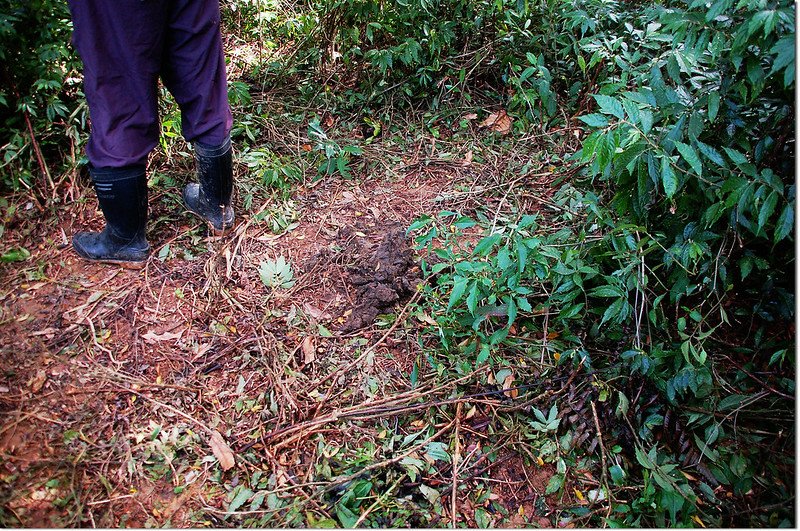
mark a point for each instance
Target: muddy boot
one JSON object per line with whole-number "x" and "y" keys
{"x": 211, "y": 198}
{"x": 122, "y": 194}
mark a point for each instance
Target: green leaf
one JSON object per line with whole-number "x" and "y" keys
{"x": 239, "y": 498}
{"x": 498, "y": 336}
{"x": 485, "y": 245}
{"x": 623, "y": 404}
{"x": 571, "y": 311}
{"x": 735, "y": 156}
{"x": 258, "y": 499}
{"x": 419, "y": 223}
{"x": 617, "y": 474}
{"x": 609, "y": 105}
{"x": 362, "y": 488}
{"x": 607, "y": 291}
{"x": 15, "y": 255}
{"x": 713, "y": 106}
{"x": 341, "y": 165}
{"x": 163, "y": 254}
{"x": 528, "y": 220}
{"x": 690, "y": 155}
{"x": 614, "y": 311}
{"x": 277, "y": 273}
{"x": 472, "y": 298}
{"x": 594, "y": 120}
{"x": 464, "y": 222}
{"x": 643, "y": 459}
{"x": 632, "y": 110}
{"x": 346, "y": 516}
{"x": 646, "y": 119}
{"x": 785, "y": 58}
{"x": 554, "y": 484}
{"x": 483, "y": 355}
{"x": 512, "y": 310}
{"x": 767, "y": 209}
{"x": 779, "y": 355}
{"x": 459, "y": 287}
{"x": 731, "y": 402}
{"x": 746, "y": 266}
{"x": 668, "y": 177}
{"x": 711, "y": 154}
{"x": 430, "y": 493}
{"x": 522, "y": 257}
{"x": 437, "y": 451}
{"x": 785, "y": 223}
{"x": 482, "y": 519}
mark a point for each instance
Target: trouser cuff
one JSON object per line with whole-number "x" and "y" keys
{"x": 206, "y": 150}
{"x": 106, "y": 175}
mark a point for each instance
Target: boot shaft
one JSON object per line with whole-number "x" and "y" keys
{"x": 215, "y": 173}
{"x": 211, "y": 198}
{"x": 122, "y": 195}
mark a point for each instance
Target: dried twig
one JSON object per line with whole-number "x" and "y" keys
{"x": 603, "y": 460}
{"x": 456, "y": 457}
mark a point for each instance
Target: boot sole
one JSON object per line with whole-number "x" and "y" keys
{"x": 125, "y": 264}
{"x": 212, "y": 229}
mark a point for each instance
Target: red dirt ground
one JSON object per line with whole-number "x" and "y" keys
{"x": 90, "y": 352}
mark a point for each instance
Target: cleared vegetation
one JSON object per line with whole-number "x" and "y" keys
{"x": 500, "y": 264}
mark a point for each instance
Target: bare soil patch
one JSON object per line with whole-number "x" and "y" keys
{"x": 112, "y": 378}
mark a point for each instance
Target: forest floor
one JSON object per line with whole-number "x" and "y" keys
{"x": 191, "y": 393}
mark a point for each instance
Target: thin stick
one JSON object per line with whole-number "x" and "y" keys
{"x": 456, "y": 456}
{"x": 380, "y": 499}
{"x": 603, "y": 462}
{"x": 109, "y": 500}
{"x": 170, "y": 408}
{"x": 37, "y": 150}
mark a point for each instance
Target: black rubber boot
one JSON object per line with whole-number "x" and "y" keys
{"x": 211, "y": 198}
{"x": 122, "y": 194}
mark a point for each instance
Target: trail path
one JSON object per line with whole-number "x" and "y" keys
{"x": 115, "y": 380}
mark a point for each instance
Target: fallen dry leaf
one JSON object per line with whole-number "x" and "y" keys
{"x": 152, "y": 337}
{"x": 222, "y": 451}
{"x": 37, "y": 382}
{"x": 309, "y": 350}
{"x": 315, "y": 312}
{"x": 508, "y": 383}
{"x": 470, "y": 116}
{"x": 498, "y": 121}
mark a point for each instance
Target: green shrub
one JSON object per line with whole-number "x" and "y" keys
{"x": 41, "y": 109}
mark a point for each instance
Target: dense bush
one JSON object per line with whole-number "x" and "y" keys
{"x": 41, "y": 112}
{"x": 682, "y": 241}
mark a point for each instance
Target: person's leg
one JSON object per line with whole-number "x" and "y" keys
{"x": 194, "y": 72}
{"x": 120, "y": 44}
{"x": 122, "y": 194}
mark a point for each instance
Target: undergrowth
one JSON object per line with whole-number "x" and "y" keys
{"x": 650, "y": 282}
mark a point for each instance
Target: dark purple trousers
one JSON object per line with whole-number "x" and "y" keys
{"x": 126, "y": 45}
